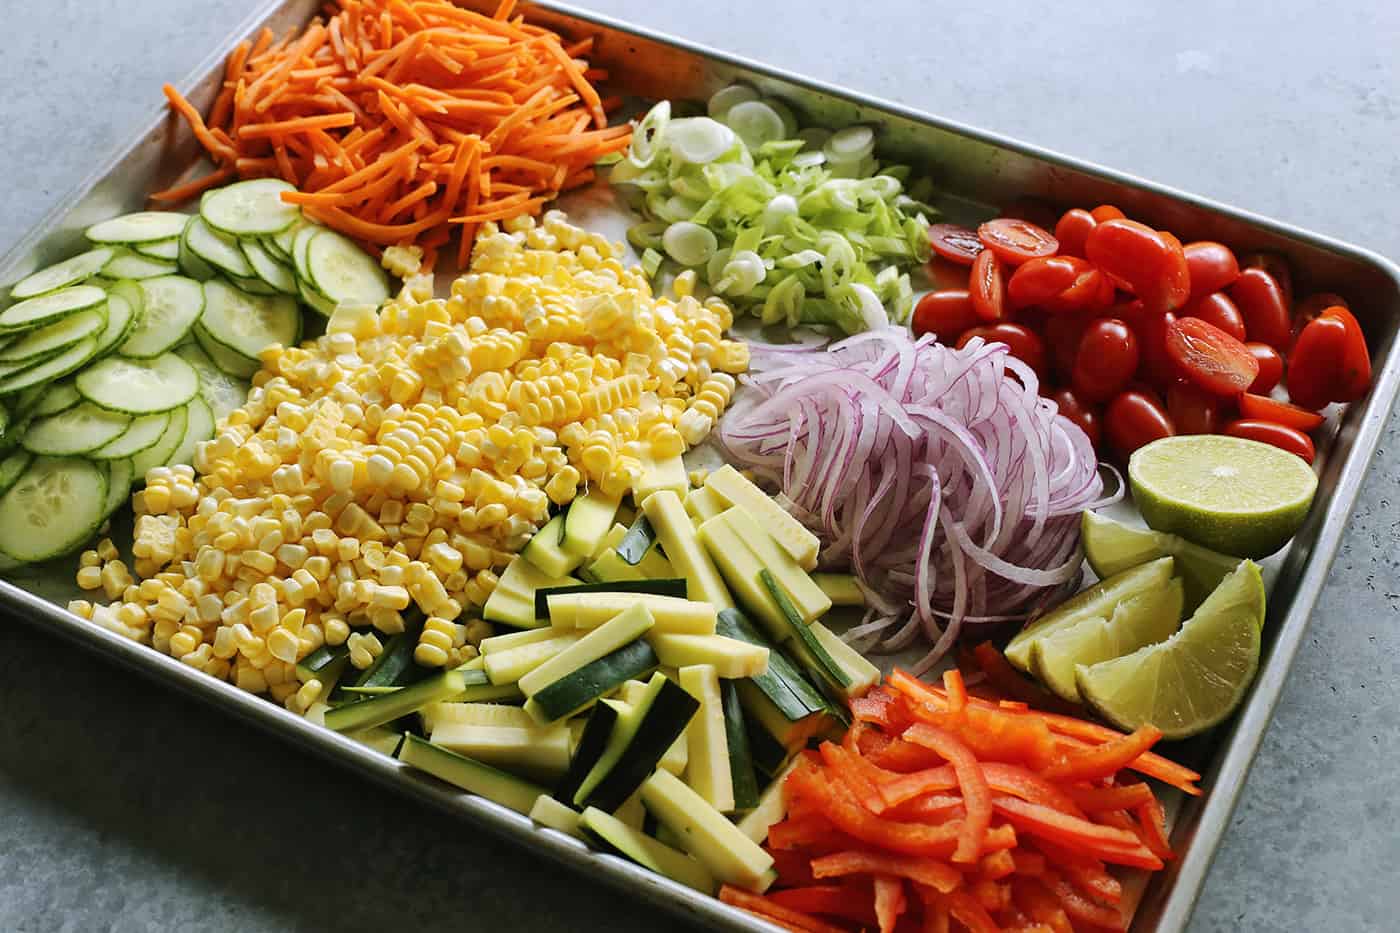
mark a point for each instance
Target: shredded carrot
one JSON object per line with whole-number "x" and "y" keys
{"x": 408, "y": 121}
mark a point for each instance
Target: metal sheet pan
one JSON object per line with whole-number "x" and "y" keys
{"x": 975, "y": 170}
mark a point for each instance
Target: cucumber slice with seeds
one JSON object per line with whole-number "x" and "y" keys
{"x": 55, "y": 506}
{"x": 221, "y": 391}
{"x": 342, "y": 271}
{"x": 159, "y": 453}
{"x": 121, "y": 321}
{"x": 78, "y": 430}
{"x": 234, "y": 364}
{"x": 172, "y": 304}
{"x": 36, "y": 312}
{"x": 141, "y": 227}
{"x": 58, "y": 397}
{"x": 12, "y": 467}
{"x": 199, "y": 427}
{"x": 169, "y": 250}
{"x": 248, "y": 324}
{"x": 141, "y": 433}
{"x": 271, "y": 270}
{"x": 48, "y": 341}
{"x": 190, "y": 262}
{"x": 119, "y": 477}
{"x": 217, "y": 249}
{"x": 250, "y": 208}
{"x": 126, "y": 265}
{"x": 69, "y": 272}
{"x": 139, "y": 387}
{"x": 71, "y": 359}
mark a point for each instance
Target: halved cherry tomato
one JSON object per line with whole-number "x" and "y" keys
{"x": 1016, "y": 241}
{"x": 1193, "y": 410}
{"x": 1213, "y": 267}
{"x": 1217, "y": 308}
{"x": 1073, "y": 229}
{"x": 1135, "y": 254}
{"x": 1263, "y": 408}
{"x": 1355, "y": 372}
{"x": 946, "y": 315}
{"x": 1156, "y": 366}
{"x": 1106, "y": 360}
{"x": 1209, "y": 357}
{"x": 1261, "y": 302}
{"x": 955, "y": 243}
{"x": 1039, "y": 280}
{"x": 1106, "y": 212}
{"x": 1276, "y": 266}
{"x": 1284, "y": 438}
{"x": 1062, "y": 334}
{"x": 1023, "y": 342}
{"x": 1091, "y": 291}
{"x": 1085, "y": 416}
{"x": 1315, "y": 360}
{"x": 944, "y": 273}
{"x": 987, "y": 285}
{"x": 1134, "y": 419}
{"x": 1037, "y": 212}
{"x": 1270, "y": 368}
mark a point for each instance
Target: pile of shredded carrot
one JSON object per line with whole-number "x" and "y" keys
{"x": 945, "y": 809}
{"x": 406, "y": 121}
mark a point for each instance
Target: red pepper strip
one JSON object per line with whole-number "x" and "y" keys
{"x": 1104, "y": 842}
{"x": 997, "y": 866}
{"x": 1080, "y": 908}
{"x": 908, "y": 786}
{"x": 774, "y": 912}
{"x": 1037, "y": 902}
{"x": 840, "y": 806}
{"x": 889, "y": 902}
{"x": 794, "y": 867}
{"x": 1008, "y": 681}
{"x": 1031, "y": 864}
{"x": 926, "y": 871}
{"x": 903, "y": 756}
{"x": 1087, "y": 873}
{"x": 977, "y": 796}
{"x": 843, "y": 765}
{"x": 1019, "y": 782}
{"x": 873, "y": 707}
{"x": 1030, "y": 926}
{"x": 957, "y": 691}
{"x": 970, "y": 913}
{"x": 1153, "y": 823}
{"x": 831, "y": 900}
{"x": 1106, "y": 760}
{"x": 1121, "y": 797}
{"x": 796, "y": 832}
{"x": 991, "y": 895}
{"x": 935, "y": 808}
{"x": 935, "y": 917}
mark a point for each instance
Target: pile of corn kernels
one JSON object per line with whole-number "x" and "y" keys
{"x": 403, "y": 458}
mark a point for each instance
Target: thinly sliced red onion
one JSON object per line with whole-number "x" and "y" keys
{"x": 940, "y": 476}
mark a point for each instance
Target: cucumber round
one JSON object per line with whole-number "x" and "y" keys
{"x": 270, "y": 269}
{"x": 221, "y": 391}
{"x": 199, "y": 427}
{"x": 141, "y": 433}
{"x": 172, "y": 304}
{"x": 190, "y": 262}
{"x": 217, "y": 249}
{"x": 254, "y": 286}
{"x": 317, "y": 302}
{"x": 250, "y": 208}
{"x": 12, "y": 467}
{"x": 234, "y": 364}
{"x": 36, "y": 312}
{"x": 71, "y": 359}
{"x": 141, "y": 227}
{"x": 119, "y": 478}
{"x": 47, "y": 341}
{"x": 58, "y": 397}
{"x": 342, "y": 271}
{"x": 69, "y": 272}
{"x": 128, "y": 265}
{"x": 248, "y": 324}
{"x": 55, "y": 505}
{"x": 169, "y": 250}
{"x": 159, "y": 453}
{"x": 121, "y": 320}
{"x": 78, "y": 430}
{"x": 138, "y": 387}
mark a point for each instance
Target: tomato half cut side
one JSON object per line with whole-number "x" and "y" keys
{"x": 945, "y": 314}
{"x": 1284, "y": 438}
{"x": 1263, "y": 408}
{"x": 1134, "y": 419}
{"x": 1016, "y": 241}
{"x": 1212, "y": 266}
{"x": 987, "y": 286}
{"x": 1106, "y": 360}
{"x": 955, "y": 243}
{"x": 1270, "y": 368}
{"x": 1209, "y": 357}
{"x": 1086, "y": 294}
{"x": 1217, "y": 308}
{"x": 1073, "y": 229}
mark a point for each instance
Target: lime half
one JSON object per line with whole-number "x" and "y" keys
{"x": 1112, "y": 547}
{"x": 1097, "y": 602}
{"x": 1144, "y": 619}
{"x": 1228, "y": 494}
{"x": 1194, "y": 679}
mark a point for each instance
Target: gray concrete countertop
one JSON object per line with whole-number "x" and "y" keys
{"x": 127, "y": 808}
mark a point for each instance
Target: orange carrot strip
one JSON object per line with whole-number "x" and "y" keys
{"x": 774, "y": 912}
{"x": 1106, "y": 760}
{"x": 201, "y": 132}
{"x": 296, "y": 125}
{"x": 189, "y": 189}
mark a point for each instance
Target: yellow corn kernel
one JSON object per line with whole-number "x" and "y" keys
{"x": 336, "y": 629}
{"x": 90, "y": 577}
{"x": 283, "y": 645}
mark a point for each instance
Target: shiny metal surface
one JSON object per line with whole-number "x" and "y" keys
{"x": 976, "y": 171}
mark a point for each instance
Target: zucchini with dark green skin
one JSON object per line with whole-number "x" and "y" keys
{"x": 580, "y": 688}
{"x": 669, "y": 587}
{"x": 783, "y": 682}
{"x": 820, "y": 659}
{"x": 638, "y": 540}
{"x": 590, "y": 748}
{"x": 741, "y": 771}
{"x": 663, "y": 722}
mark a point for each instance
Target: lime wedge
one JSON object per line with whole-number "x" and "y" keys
{"x": 1194, "y": 679}
{"x": 1112, "y": 547}
{"x": 1097, "y": 602}
{"x": 1228, "y": 494}
{"x": 1141, "y": 620}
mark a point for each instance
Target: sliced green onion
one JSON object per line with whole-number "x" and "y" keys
{"x": 741, "y": 274}
{"x": 646, "y": 137}
{"x": 755, "y": 122}
{"x": 651, "y": 262}
{"x": 722, "y": 100}
{"x": 778, "y": 209}
{"x": 646, "y": 235}
{"x": 784, "y": 303}
{"x": 851, "y": 144}
{"x": 699, "y": 140}
{"x": 689, "y": 243}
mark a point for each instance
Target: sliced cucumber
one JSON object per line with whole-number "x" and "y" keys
{"x": 141, "y": 227}
{"x": 274, "y": 248}
{"x": 127, "y": 265}
{"x": 12, "y": 467}
{"x": 223, "y": 392}
{"x": 169, "y": 250}
{"x": 119, "y": 477}
{"x": 282, "y": 242}
{"x": 121, "y": 321}
{"x": 248, "y": 324}
{"x": 199, "y": 427}
{"x": 342, "y": 271}
{"x": 271, "y": 270}
{"x": 159, "y": 453}
{"x": 317, "y": 302}
{"x": 73, "y": 358}
{"x": 253, "y": 286}
{"x": 49, "y": 340}
{"x": 234, "y": 364}
{"x": 298, "y": 247}
{"x": 139, "y": 387}
{"x": 141, "y": 433}
{"x": 58, "y": 397}
{"x": 217, "y": 249}
{"x": 190, "y": 262}
{"x": 36, "y": 312}
{"x": 54, "y": 507}
{"x": 78, "y": 430}
{"x": 22, "y": 405}
{"x": 250, "y": 208}
{"x": 69, "y": 272}
{"x": 172, "y": 305}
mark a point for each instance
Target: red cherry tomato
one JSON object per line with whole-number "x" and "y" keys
{"x": 1062, "y": 334}
{"x": 1217, "y": 308}
{"x": 1039, "y": 280}
{"x": 1073, "y": 229}
{"x": 944, "y": 274}
{"x": 1016, "y": 241}
{"x": 1106, "y": 212}
{"x": 1133, "y": 419}
{"x": 1193, "y": 410}
{"x": 1276, "y": 266}
{"x": 1261, "y": 302}
{"x": 955, "y": 243}
{"x": 1313, "y": 364}
{"x": 1270, "y": 368}
{"x": 1153, "y": 268}
{"x": 1209, "y": 357}
{"x": 1088, "y": 293}
{"x": 1106, "y": 360}
{"x": 1263, "y": 408}
{"x": 1213, "y": 267}
{"x": 946, "y": 315}
{"x": 1037, "y": 212}
{"x": 987, "y": 285}
{"x": 1284, "y": 438}
{"x": 1023, "y": 342}
{"x": 1085, "y": 416}
{"x": 1313, "y": 305}
{"x": 1355, "y": 371}
{"x": 1156, "y": 366}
